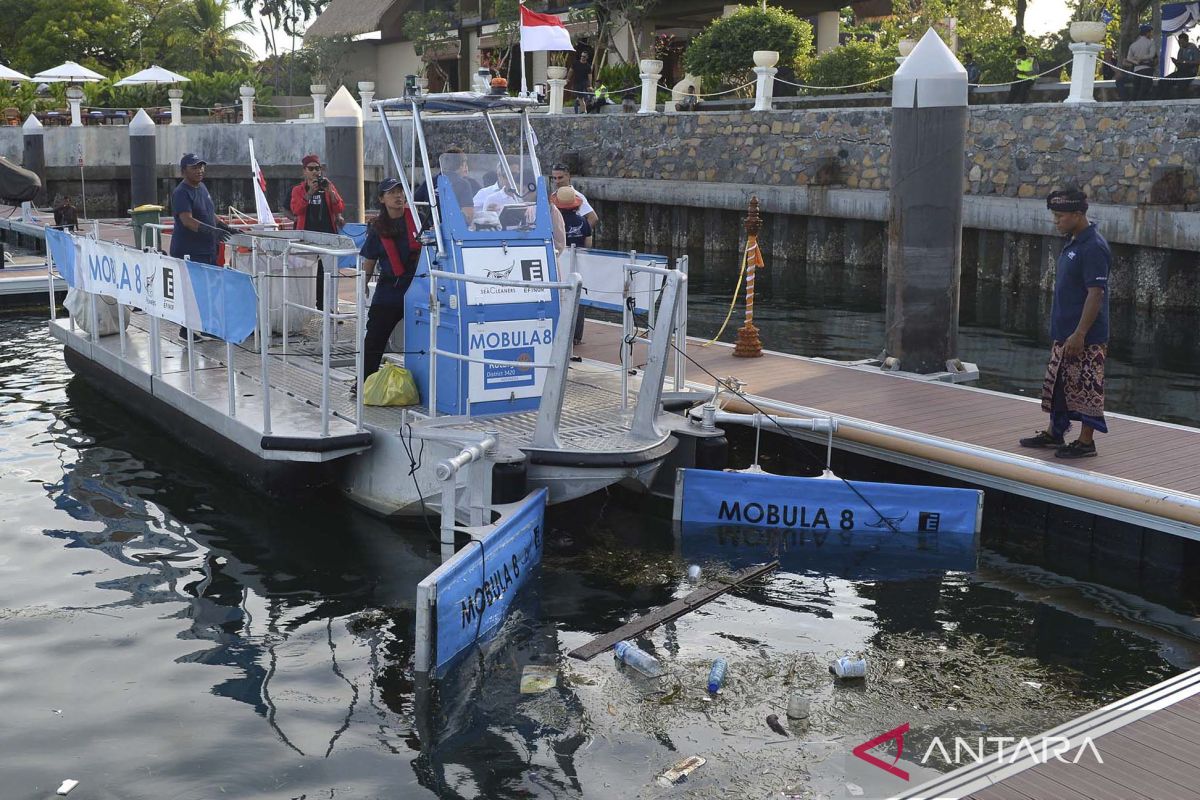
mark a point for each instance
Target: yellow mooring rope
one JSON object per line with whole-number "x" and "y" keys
{"x": 733, "y": 302}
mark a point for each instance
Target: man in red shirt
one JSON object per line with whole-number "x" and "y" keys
{"x": 317, "y": 206}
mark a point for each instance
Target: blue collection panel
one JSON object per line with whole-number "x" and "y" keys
{"x": 477, "y": 587}
{"x": 783, "y": 501}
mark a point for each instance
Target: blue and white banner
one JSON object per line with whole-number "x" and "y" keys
{"x": 604, "y": 277}
{"x": 202, "y": 297}
{"x": 759, "y": 499}
{"x": 470, "y": 595}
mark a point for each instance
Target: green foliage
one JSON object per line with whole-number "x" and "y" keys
{"x": 724, "y": 50}
{"x": 854, "y": 62}
{"x": 619, "y": 76}
{"x": 95, "y": 33}
{"x": 203, "y": 31}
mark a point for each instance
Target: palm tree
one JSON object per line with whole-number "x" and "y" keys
{"x": 204, "y": 31}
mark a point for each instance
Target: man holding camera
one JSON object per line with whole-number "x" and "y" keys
{"x": 317, "y": 206}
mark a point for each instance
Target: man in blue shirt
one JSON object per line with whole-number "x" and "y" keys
{"x": 1073, "y": 388}
{"x": 197, "y": 229}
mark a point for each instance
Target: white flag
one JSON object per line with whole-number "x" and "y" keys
{"x": 261, "y": 208}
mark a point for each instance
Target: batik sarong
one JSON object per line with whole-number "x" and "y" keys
{"x": 1073, "y": 388}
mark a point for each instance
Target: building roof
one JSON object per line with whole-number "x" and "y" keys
{"x": 349, "y": 18}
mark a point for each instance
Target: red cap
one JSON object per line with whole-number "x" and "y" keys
{"x": 311, "y": 158}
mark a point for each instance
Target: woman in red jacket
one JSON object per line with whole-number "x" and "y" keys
{"x": 317, "y": 206}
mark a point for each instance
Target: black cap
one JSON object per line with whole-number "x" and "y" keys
{"x": 190, "y": 160}
{"x": 387, "y": 184}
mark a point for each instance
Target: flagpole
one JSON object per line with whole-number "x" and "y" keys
{"x": 524, "y": 85}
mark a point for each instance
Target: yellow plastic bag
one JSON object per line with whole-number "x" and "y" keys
{"x": 390, "y": 386}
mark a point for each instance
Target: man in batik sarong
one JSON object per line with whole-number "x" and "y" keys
{"x": 1074, "y": 384}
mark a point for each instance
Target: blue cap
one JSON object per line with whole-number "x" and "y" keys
{"x": 387, "y": 184}
{"x": 190, "y": 160}
{"x": 1145, "y": 28}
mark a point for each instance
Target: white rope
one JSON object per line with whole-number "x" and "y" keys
{"x": 847, "y": 86}
{"x": 1146, "y": 75}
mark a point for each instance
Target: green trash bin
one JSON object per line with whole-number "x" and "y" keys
{"x": 145, "y": 215}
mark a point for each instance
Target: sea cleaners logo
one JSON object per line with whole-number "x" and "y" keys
{"x": 960, "y": 751}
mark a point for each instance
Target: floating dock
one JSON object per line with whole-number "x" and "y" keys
{"x": 1147, "y": 473}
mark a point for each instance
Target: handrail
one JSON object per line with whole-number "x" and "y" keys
{"x": 454, "y": 276}
{"x": 649, "y": 399}
{"x": 545, "y": 433}
{"x": 520, "y": 364}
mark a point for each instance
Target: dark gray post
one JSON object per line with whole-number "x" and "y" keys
{"x": 344, "y": 151}
{"x": 33, "y": 158}
{"x": 929, "y": 129}
{"x": 143, "y": 160}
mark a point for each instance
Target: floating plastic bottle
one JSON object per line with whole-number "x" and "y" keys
{"x": 716, "y": 675}
{"x": 848, "y": 667}
{"x": 799, "y": 706}
{"x": 632, "y": 656}
{"x": 694, "y": 573}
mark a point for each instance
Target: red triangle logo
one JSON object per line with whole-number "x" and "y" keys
{"x": 895, "y": 733}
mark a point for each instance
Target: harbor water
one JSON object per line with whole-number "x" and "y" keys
{"x": 166, "y": 632}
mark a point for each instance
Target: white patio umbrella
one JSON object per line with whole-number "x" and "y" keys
{"x": 70, "y": 72}
{"x": 7, "y": 74}
{"x": 150, "y": 75}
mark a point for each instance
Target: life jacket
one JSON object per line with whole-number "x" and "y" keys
{"x": 1025, "y": 69}
{"x": 601, "y": 93}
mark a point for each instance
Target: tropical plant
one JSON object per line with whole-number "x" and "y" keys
{"x": 429, "y": 29}
{"x": 855, "y": 62}
{"x": 723, "y": 52}
{"x": 202, "y": 29}
{"x": 289, "y": 16}
{"x": 619, "y": 76}
{"x": 95, "y": 33}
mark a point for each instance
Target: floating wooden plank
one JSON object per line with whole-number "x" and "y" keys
{"x": 639, "y": 625}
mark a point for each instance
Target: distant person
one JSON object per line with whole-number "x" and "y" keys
{"x": 1107, "y": 59}
{"x": 392, "y": 249}
{"x": 1026, "y": 70}
{"x": 560, "y": 176}
{"x": 317, "y": 206}
{"x": 973, "y": 69}
{"x": 66, "y": 216}
{"x": 690, "y": 101}
{"x": 579, "y": 82}
{"x": 1142, "y": 56}
{"x": 785, "y": 82}
{"x": 1073, "y": 388}
{"x": 197, "y": 230}
{"x": 421, "y": 194}
{"x": 578, "y": 233}
{"x": 1187, "y": 62}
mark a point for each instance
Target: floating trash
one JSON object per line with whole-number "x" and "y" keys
{"x": 774, "y": 724}
{"x": 681, "y": 770}
{"x": 693, "y": 573}
{"x": 67, "y": 786}
{"x": 799, "y": 706}
{"x": 632, "y": 656}
{"x": 716, "y": 675}
{"x": 537, "y": 678}
{"x": 847, "y": 667}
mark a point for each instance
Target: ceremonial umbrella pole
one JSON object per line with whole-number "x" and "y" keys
{"x": 748, "y": 344}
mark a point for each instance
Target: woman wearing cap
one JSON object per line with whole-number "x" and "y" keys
{"x": 578, "y": 231}
{"x": 391, "y": 246}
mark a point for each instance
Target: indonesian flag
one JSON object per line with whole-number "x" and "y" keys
{"x": 261, "y": 208}
{"x": 543, "y": 32}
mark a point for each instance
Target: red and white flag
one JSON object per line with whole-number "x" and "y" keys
{"x": 261, "y": 208}
{"x": 543, "y": 32}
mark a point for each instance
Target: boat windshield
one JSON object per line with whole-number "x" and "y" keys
{"x": 482, "y": 189}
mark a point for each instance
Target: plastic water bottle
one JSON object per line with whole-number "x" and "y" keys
{"x": 847, "y": 667}
{"x": 716, "y": 675}
{"x": 693, "y": 573}
{"x": 632, "y": 656}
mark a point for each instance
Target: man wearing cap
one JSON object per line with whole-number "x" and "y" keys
{"x": 317, "y": 206}
{"x": 197, "y": 230}
{"x": 1073, "y": 388}
{"x": 1142, "y": 55}
{"x": 578, "y": 233}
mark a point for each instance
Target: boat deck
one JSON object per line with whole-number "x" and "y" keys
{"x": 1146, "y": 473}
{"x": 1147, "y": 745}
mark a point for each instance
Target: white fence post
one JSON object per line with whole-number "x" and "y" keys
{"x": 651, "y": 72}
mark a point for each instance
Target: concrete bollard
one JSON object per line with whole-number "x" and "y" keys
{"x": 317, "y": 91}
{"x": 1083, "y": 72}
{"x": 651, "y": 72}
{"x": 366, "y": 93}
{"x": 143, "y": 164}
{"x": 175, "y": 96}
{"x": 33, "y": 156}
{"x": 558, "y": 88}
{"x": 929, "y": 129}
{"x": 75, "y": 101}
{"x": 344, "y": 152}
{"x": 764, "y": 69}
{"x": 247, "y": 95}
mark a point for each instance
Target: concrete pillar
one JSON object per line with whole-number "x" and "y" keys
{"x": 651, "y": 72}
{"x": 558, "y": 87}
{"x": 176, "y": 98}
{"x": 33, "y": 158}
{"x": 143, "y": 165}
{"x": 929, "y": 129}
{"x": 829, "y": 27}
{"x": 247, "y": 95}
{"x": 318, "y": 97}
{"x": 344, "y": 151}
{"x": 1083, "y": 72}
{"x": 366, "y": 93}
{"x": 75, "y": 101}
